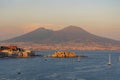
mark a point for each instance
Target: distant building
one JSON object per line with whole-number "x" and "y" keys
{"x": 14, "y": 51}
{"x": 63, "y": 55}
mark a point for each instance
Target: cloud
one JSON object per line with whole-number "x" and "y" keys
{"x": 31, "y": 27}
{"x": 10, "y": 32}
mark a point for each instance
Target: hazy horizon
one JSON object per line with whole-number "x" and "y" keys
{"x": 100, "y": 17}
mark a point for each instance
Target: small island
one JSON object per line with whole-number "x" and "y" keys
{"x": 60, "y": 54}
{"x": 64, "y": 55}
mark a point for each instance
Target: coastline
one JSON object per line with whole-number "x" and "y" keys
{"x": 37, "y": 47}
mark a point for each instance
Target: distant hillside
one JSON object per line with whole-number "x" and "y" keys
{"x": 37, "y": 36}
{"x": 68, "y": 35}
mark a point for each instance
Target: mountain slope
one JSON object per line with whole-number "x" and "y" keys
{"x": 73, "y": 34}
{"x": 68, "y": 35}
{"x": 38, "y": 35}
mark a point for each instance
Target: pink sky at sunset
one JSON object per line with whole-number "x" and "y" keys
{"x": 8, "y": 32}
{"x": 100, "y": 17}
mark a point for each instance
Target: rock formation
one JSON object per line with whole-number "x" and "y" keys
{"x": 63, "y": 55}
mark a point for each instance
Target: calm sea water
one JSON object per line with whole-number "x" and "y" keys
{"x": 93, "y": 67}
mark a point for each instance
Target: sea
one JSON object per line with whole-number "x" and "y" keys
{"x": 93, "y": 67}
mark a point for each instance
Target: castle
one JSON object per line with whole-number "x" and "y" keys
{"x": 14, "y": 51}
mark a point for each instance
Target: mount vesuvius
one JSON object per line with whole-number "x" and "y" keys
{"x": 69, "y": 35}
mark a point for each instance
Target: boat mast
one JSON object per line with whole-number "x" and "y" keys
{"x": 119, "y": 58}
{"x": 109, "y": 63}
{"x": 79, "y": 59}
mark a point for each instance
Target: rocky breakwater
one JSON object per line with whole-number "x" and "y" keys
{"x": 15, "y": 52}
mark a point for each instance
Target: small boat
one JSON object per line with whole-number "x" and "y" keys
{"x": 18, "y": 73}
{"x": 45, "y": 59}
{"x": 78, "y": 59}
{"x": 109, "y": 62}
{"x": 119, "y": 58}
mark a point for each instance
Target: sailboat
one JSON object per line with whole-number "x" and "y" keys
{"x": 109, "y": 62}
{"x": 119, "y": 58}
{"x": 78, "y": 59}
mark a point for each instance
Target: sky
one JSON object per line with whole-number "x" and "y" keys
{"x": 100, "y": 17}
